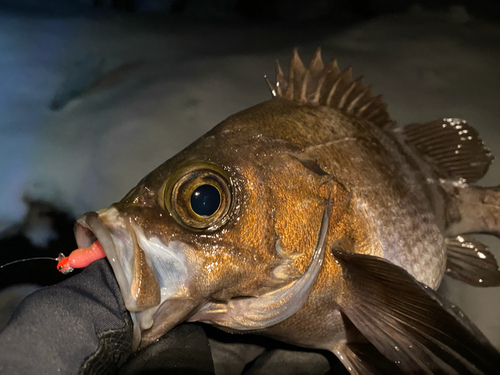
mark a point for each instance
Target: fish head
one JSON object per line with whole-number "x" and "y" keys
{"x": 235, "y": 215}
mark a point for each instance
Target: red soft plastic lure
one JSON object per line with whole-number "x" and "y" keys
{"x": 80, "y": 258}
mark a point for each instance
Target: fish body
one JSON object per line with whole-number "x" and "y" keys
{"x": 313, "y": 219}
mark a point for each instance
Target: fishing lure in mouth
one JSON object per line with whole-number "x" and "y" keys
{"x": 80, "y": 258}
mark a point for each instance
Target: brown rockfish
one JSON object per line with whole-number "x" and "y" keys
{"x": 311, "y": 218}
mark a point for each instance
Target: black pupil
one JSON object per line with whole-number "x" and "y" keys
{"x": 205, "y": 200}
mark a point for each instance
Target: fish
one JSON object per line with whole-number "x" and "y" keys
{"x": 314, "y": 219}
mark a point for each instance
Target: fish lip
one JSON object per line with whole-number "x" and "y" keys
{"x": 88, "y": 229}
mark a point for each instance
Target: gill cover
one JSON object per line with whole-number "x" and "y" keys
{"x": 274, "y": 307}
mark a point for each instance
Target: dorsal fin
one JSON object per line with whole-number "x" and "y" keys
{"x": 329, "y": 86}
{"x": 452, "y": 146}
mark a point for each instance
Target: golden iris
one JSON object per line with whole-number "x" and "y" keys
{"x": 198, "y": 196}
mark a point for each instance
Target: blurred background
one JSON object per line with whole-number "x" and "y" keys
{"x": 95, "y": 94}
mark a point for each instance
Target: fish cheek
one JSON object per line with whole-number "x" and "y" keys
{"x": 239, "y": 259}
{"x": 215, "y": 275}
{"x": 226, "y": 271}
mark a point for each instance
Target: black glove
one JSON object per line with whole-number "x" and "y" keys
{"x": 81, "y": 326}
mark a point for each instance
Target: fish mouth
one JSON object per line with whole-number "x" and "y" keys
{"x": 149, "y": 272}
{"x": 90, "y": 228}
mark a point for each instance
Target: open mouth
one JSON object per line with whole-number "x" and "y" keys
{"x": 148, "y": 271}
{"x": 88, "y": 229}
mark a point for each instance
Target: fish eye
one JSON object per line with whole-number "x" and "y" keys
{"x": 199, "y": 196}
{"x": 205, "y": 200}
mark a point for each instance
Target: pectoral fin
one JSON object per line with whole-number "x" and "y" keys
{"x": 408, "y": 322}
{"x": 364, "y": 358}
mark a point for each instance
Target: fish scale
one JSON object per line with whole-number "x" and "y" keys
{"x": 414, "y": 244}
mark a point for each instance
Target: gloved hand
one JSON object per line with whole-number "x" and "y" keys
{"x": 81, "y": 326}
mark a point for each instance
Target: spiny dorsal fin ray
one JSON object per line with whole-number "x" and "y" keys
{"x": 468, "y": 260}
{"x": 281, "y": 83}
{"x": 452, "y": 146}
{"x": 331, "y": 87}
{"x": 295, "y": 76}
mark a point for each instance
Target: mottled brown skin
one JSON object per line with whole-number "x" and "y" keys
{"x": 382, "y": 208}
